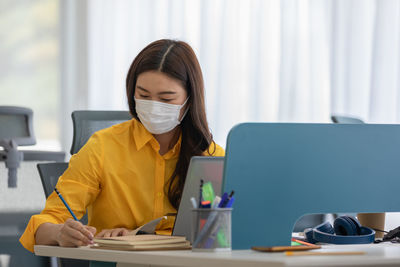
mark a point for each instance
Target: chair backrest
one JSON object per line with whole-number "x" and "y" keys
{"x": 87, "y": 122}
{"x": 49, "y": 174}
{"x": 346, "y": 119}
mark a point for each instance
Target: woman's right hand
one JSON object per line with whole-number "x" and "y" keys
{"x": 73, "y": 234}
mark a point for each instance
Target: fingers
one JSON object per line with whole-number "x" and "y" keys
{"x": 78, "y": 235}
{"x": 83, "y": 229}
{"x": 91, "y": 229}
{"x": 125, "y": 232}
{"x": 70, "y": 241}
{"x": 74, "y": 233}
{"x": 113, "y": 232}
{"x": 119, "y": 232}
{"x": 101, "y": 234}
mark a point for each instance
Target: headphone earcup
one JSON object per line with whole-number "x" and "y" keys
{"x": 325, "y": 228}
{"x": 347, "y": 225}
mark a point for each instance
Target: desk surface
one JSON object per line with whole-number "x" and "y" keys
{"x": 376, "y": 255}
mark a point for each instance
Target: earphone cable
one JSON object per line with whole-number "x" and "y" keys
{"x": 377, "y": 230}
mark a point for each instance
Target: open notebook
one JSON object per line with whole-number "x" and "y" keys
{"x": 142, "y": 242}
{"x": 143, "y": 238}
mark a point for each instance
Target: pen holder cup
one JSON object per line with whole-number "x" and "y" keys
{"x": 211, "y": 229}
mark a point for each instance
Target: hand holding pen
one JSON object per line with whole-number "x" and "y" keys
{"x": 73, "y": 233}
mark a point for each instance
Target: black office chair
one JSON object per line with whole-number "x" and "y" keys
{"x": 87, "y": 122}
{"x": 346, "y": 119}
{"x": 49, "y": 174}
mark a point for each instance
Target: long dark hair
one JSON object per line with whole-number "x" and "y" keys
{"x": 177, "y": 60}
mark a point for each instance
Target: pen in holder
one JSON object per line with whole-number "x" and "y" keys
{"x": 211, "y": 229}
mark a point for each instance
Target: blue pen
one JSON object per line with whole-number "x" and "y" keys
{"x": 224, "y": 200}
{"x": 66, "y": 205}
{"x": 230, "y": 202}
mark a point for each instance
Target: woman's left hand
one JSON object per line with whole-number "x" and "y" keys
{"x": 113, "y": 232}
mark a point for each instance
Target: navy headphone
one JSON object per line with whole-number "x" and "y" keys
{"x": 345, "y": 230}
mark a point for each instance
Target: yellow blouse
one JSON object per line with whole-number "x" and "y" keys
{"x": 119, "y": 177}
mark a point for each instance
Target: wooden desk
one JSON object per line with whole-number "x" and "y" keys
{"x": 376, "y": 255}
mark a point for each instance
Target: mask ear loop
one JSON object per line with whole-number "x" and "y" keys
{"x": 186, "y": 111}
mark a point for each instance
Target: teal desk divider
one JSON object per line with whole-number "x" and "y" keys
{"x": 281, "y": 171}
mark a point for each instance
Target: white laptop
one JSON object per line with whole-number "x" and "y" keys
{"x": 210, "y": 169}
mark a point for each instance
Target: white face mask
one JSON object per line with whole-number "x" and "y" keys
{"x": 158, "y": 117}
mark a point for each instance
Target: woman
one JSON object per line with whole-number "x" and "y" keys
{"x": 134, "y": 172}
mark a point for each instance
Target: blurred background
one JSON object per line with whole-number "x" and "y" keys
{"x": 263, "y": 61}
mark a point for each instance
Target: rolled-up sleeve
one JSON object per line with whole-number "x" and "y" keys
{"x": 80, "y": 184}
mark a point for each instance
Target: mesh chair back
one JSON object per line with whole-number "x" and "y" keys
{"x": 87, "y": 122}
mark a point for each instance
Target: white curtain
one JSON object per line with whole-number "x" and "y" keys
{"x": 262, "y": 60}
{"x": 275, "y": 60}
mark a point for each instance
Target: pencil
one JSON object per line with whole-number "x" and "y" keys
{"x": 284, "y": 248}
{"x": 323, "y": 253}
{"x": 65, "y": 204}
